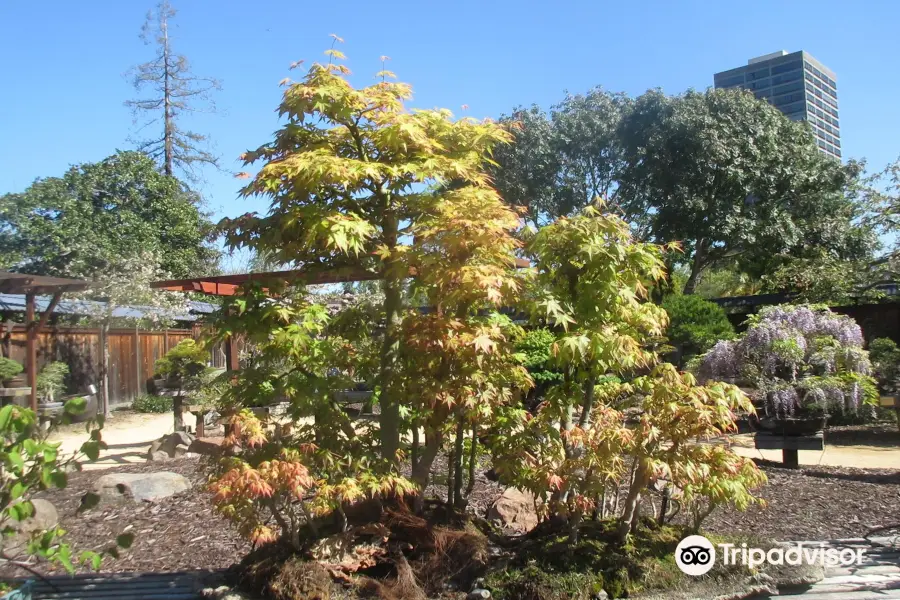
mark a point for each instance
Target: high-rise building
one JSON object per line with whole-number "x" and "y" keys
{"x": 799, "y": 86}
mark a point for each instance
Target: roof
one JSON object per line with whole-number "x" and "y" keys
{"x": 24, "y": 283}
{"x": 227, "y": 285}
{"x": 16, "y": 303}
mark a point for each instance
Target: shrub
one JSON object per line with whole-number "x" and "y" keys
{"x": 31, "y": 464}
{"x": 150, "y": 403}
{"x": 8, "y": 369}
{"x": 52, "y": 380}
{"x": 885, "y": 357}
{"x": 800, "y": 359}
{"x": 695, "y": 325}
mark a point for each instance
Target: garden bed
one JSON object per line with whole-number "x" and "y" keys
{"x": 182, "y": 532}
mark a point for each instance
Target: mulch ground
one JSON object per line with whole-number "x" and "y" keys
{"x": 816, "y": 503}
{"x": 183, "y": 533}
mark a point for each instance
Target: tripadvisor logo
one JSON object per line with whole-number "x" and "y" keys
{"x": 696, "y": 555}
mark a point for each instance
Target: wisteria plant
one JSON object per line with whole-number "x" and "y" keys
{"x": 801, "y": 360}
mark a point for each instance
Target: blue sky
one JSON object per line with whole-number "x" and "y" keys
{"x": 63, "y": 64}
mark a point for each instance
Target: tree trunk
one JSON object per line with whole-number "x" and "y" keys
{"x": 168, "y": 141}
{"x": 473, "y": 459}
{"x": 421, "y": 472}
{"x": 588, "y": 407}
{"x": 178, "y": 410}
{"x": 697, "y": 266}
{"x": 458, "y": 461}
{"x": 389, "y": 420}
{"x": 629, "y": 516}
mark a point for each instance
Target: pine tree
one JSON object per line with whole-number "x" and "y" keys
{"x": 173, "y": 91}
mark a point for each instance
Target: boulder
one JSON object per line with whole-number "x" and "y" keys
{"x": 45, "y": 517}
{"x": 515, "y": 510}
{"x": 479, "y": 594}
{"x": 138, "y": 487}
{"x": 157, "y": 456}
{"x": 169, "y": 445}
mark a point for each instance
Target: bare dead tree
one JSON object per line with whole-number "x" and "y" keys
{"x": 172, "y": 91}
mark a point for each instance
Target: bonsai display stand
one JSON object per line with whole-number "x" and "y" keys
{"x": 790, "y": 445}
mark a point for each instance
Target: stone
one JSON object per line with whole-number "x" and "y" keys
{"x": 479, "y": 594}
{"x": 514, "y": 509}
{"x": 45, "y": 517}
{"x": 138, "y": 487}
{"x": 158, "y": 456}
{"x": 223, "y": 592}
{"x": 206, "y": 448}
{"x": 601, "y": 595}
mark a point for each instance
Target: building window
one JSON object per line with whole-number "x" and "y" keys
{"x": 787, "y": 77}
{"x": 786, "y": 67}
{"x": 837, "y": 142}
{"x": 821, "y": 144}
{"x": 731, "y": 81}
{"x": 754, "y": 75}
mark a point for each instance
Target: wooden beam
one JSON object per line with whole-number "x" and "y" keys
{"x": 31, "y": 348}
{"x": 45, "y": 316}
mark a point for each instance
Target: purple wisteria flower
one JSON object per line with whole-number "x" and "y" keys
{"x": 796, "y": 357}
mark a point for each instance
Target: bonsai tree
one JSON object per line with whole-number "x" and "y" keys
{"x": 51, "y": 380}
{"x": 695, "y": 325}
{"x": 801, "y": 360}
{"x": 8, "y": 369}
{"x": 885, "y": 357}
{"x": 184, "y": 366}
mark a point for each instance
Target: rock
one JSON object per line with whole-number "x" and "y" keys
{"x": 120, "y": 487}
{"x": 223, "y": 592}
{"x": 479, "y": 594}
{"x": 601, "y": 595}
{"x": 514, "y": 510}
{"x": 158, "y": 456}
{"x": 206, "y": 448}
{"x": 169, "y": 444}
{"x": 45, "y": 517}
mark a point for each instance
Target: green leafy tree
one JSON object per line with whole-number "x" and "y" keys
{"x": 353, "y": 174}
{"x": 174, "y": 93}
{"x": 694, "y": 175}
{"x": 695, "y": 325}
{"x": 562, "y": 162}
{"x": 82, "y": 223}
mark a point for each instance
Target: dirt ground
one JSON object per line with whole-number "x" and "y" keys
{"x": 870, "y": 447}
{"x": 127, "y": 434}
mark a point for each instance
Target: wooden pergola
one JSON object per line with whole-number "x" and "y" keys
{"x": 31, "y": 286}
{"x": 228, "y": 285}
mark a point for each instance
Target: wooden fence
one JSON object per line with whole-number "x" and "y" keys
{"x": 132, "y": 354}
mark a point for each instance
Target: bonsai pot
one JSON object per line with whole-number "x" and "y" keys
{"x": 793, "y": 425}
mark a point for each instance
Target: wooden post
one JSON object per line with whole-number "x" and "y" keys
{"x": 31, "y": 349}
{"x": 790, "y": 458}
{"x": 137, "y": 362}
